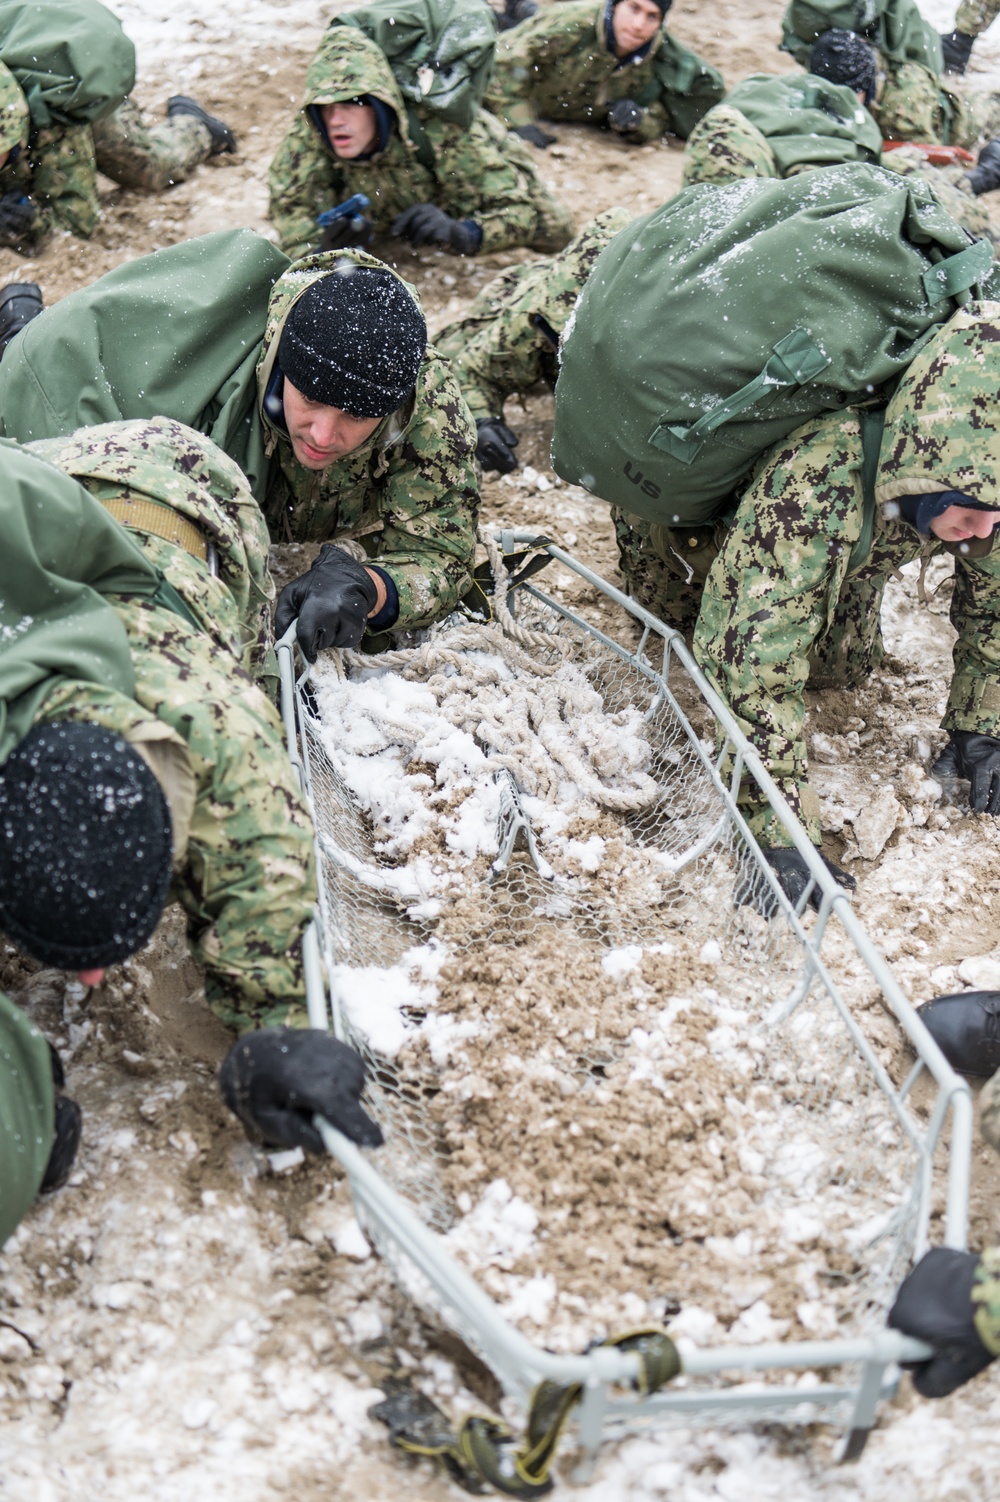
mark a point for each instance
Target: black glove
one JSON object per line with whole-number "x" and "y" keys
{"x": 534, "y": 135}
{"x": 956, "y": 48}
{"x": 68, "y": 1127}
{"x": 977, "y": 758}
{"x": 276, "y": 1080}
{"x": 496, "y": 444}
{"x": 625, "y": 115}
{"x": 514, "y": 12}
{"x": 17, "y": 216}
{"x": 333, "y": 602}
{"x": 342, "y": 233}
{"x": 935, "y": 1304}
{"x": 426, "y": 224}
{"x": 793, "y": 877}
{"x": 984, "y": 177}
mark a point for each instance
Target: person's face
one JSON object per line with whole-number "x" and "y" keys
{"x": 959, "y": 523}
{"x": 321, "y": 435}
{"x": 352, "y": 127}
{"x": 633, "y": 24}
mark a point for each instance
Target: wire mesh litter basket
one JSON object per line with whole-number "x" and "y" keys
{"x": 645, "y": 987}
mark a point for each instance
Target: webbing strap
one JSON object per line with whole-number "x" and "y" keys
{"x": 793, "y": 361}
{"x": 956, "y": 274}
{"x": 872, "y": 423}
{"x": 147, "y": 515}
{"x": 481, "y": 1450}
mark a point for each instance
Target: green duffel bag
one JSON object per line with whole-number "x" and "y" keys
{"x": 72, "y": 60}
{"x": 712, "y": 327}
{"x": 895, "y": 27}
{"x": 440, "y": 51}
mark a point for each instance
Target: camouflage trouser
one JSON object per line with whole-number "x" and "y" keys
{"x": 725, "y": 145}
{"x": 150, "y": 157}
{"x": 973, "y": 16}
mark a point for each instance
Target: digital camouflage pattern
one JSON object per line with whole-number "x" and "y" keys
{"x": 409, "y": 494}
{"x": 726, "y": 145}
{"x": 913, "y": 105}
{"x": 974, "y": 16}
{"x": 986, "y": 1297}
{"x": 497, "y": 350}
{"x": 243, "y": 857}
{"x": 784, "y": 603}
{"x": 559, "y": 65}
{"x": 149, "y": 157}
{"x": 56, "y": 166}
{"x": 479, "y": 172}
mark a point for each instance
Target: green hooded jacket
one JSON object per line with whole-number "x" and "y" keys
{"x": 894, "y": 27}
{"x": 476, "y": 172}
{"x": 219, "y": 303}
{"x": 806, "y": 121}
{"x": 559, "y": 65}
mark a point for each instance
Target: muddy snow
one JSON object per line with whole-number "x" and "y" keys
{"x": 189, "y": 1318}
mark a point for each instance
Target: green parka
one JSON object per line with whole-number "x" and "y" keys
{"x": 27, "y": 1114}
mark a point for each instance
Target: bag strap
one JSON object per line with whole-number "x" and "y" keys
{"x": 424, "y": 149}
{"x": 872, "y": 425}
{"x": 956, "y": 274}
{"x": 793, "y": 361}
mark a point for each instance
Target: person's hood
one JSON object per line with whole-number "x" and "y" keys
{"x": 348, "y": 65}
{"x": 14, "y": 115}
{"x": 284, "y": 295}
{"x": 942, "y": 426}
{"x": 606, "y": 33}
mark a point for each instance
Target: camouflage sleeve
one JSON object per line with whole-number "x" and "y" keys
{"x": 534, "y": 47}
{"x": 430, "y": 502}
{"x": 974, "y": 16}
{"x": 909, "y": 105}
{"x": 64, "y": 181}
{"x": 724, "y": 146}
{"x": 247, "y": 882}
{"x": 986, "y": 1297}
{"x": 770, "y": 594}
{"x": 656, "y": 122}
{"x": 480, "y": 180}
{"x": 974, "y": 700}
{"x": 303, "y": 181}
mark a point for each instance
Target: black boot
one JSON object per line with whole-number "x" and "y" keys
{"x": 985, "y": 175}
{"x": 222, "y": 137}
{"x": 20, "y": 302}
{"x": 966, "y": 1028}
{"x": 955, "y": 48}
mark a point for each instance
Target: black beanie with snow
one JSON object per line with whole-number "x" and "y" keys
{"x": 85, "y": 846}
{"x": 355, "y": 340}
{"x": 845, "y": 58}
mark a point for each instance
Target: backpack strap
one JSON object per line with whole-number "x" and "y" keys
{"x": 872, "y": 424}
{"x": 424, "y": 149}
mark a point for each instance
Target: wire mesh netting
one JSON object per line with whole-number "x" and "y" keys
{"x": 691, "y": 1087}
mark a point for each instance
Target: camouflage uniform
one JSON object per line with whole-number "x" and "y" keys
{"x": 727, "y": 144}
{"x": 150, "y": 157}
{"x": 56, "y": 166}
{"x": 497, "y": 350}
{"x": 27, "y": 1114}
{"x": 408, "y": 494}
{"x": 974, "y": 16}
{"x": 243, "y": 838}
{"x": 785, "y": 603}
{"x": 913, "y": 105}
{"x": 480, "y": 172}
{"x": 559, "y": 64}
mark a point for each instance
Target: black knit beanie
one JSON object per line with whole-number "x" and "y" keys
{"x": 662, "y": 5}
{"x": 845, "y": 58}
{"x": 355, "y": 341}
{"x": 85, "y": 847}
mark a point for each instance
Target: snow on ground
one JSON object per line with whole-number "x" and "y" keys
{"x": 187, "y": 1320}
